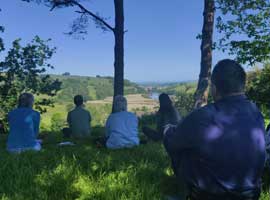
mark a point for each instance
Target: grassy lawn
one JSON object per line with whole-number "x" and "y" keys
{"x": 86, "y": 172}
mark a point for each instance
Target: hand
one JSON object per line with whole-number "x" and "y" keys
{"x": 167, "y": 127}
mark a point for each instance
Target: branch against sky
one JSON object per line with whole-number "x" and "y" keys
{"x": 80, "y": 24}
{"x": 244, "y": 26}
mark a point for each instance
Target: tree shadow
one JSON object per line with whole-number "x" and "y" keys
{"x": 56, "y": 172}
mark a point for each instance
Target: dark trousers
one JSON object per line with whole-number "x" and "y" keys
{"x": 200, "y": 195}
{"x": 177, "y": 169}
{"x": 152, "y": 134}
{"x": 66, "y": 132}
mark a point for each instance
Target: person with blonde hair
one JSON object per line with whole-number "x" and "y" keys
{"x": 24, "y": 126}
{"x": 121, "y": 126}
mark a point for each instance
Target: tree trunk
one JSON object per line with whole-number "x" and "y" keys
{"x": 201, "y": 94}
{"x": 119, "y": 48}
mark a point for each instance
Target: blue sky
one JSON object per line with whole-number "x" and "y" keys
{"x": 160, "y": 44}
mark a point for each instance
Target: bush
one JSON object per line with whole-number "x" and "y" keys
{"x": 57, "y": 122}
{"x": 99, "y": 113}
{"x": 184, "y": 103}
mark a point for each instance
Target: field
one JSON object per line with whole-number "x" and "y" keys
{"x": 98, "y": 108}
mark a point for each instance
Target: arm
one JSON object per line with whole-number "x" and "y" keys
{"x": 69, "y": 119}
{"x": 160, "y": 122}
{"x": 36, "y": 120}
{"x": 186, "y": 135}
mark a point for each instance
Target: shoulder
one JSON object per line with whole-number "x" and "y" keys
{"x": 131, "y": 115}
{"x": 36, "y": 113}
{"x": 201, "y": 114}
{"x": 82, "y": 109}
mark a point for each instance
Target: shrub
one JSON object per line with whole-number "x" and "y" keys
{"x": 57, "y": 122}
{"x": 184, "y": 103}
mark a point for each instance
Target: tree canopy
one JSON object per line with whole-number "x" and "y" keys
{"x": 23, "y": 70}
{"x": 248, "y": 20}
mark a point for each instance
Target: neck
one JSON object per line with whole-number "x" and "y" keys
{"x": 229, "y": 95}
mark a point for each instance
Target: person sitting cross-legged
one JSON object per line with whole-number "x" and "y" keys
{"x": 24, "y": 126}
{"x": 220, "y": 148}
{"x": 167, "y": 114}
{"x": 121, "y": 126}
{"x": 79, "y": 120}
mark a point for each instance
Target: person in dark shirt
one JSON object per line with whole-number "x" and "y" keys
{"x": 79, "y": 120}
{"x": 167, "y": 114}
{"x": 220, "y": 148}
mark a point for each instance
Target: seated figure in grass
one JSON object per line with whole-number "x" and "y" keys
{"x": 219, "y": 149}
{"x": 167, "y": 114}
{"x": 121, "y": 126}
{"x": 79, "y": 120}
{"x": 24, "y": 126}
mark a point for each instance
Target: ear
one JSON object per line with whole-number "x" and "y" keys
{"x": 213, "y": 90}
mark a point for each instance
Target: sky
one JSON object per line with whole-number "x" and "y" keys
{"x": 160, "y": 45}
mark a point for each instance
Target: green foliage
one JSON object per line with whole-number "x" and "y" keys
{"x": 258, "y": 87}
{"x": 22, "y": 70}
{"x": 99, "y": 113}
{"x": 69, "y": 107}
{"x": 58, "y": 122}
{"x": 92, "y": 88}
{"x": 173, "y": 89}
{"x": 184, "y": 103}
{"x": 249, "y": 19}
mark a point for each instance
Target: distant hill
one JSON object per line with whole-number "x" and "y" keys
{"x": 171, "y": 88}
{"x": 92, "y": 88}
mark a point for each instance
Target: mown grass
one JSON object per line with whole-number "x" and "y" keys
{"x": 85, "y": 172}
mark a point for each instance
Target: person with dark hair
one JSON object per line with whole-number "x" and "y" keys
{"x": 24, "y": 126}
{"x": 220, "y": 148}
{"x": 79, "y": 120}
{"x": 167, "y": 114}
{"x": 121, "y": 126}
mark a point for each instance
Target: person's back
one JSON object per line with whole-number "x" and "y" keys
{"x": 167, "y": 114}
{"x": 79, "y": 119}
{"x": 24, "y": 127}
{"x": 121, "y": 126}
{"x": 172, "y": 117}
{"x": 122, "y": 129}
{"x": 227, "y": 151}
{"x": 79, "y": 122}
{"x": 221, "y": 147}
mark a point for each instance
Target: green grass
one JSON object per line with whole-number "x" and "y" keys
{"x": 87, "y": 172}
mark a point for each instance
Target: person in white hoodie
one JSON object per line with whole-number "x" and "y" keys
{"x": 121, "y": 126}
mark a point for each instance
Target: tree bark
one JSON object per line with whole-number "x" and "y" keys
{"x": 119, "y": 48}
{"x": 202, "y": 91}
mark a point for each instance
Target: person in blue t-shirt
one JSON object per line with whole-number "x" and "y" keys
{"x": 24, "y": 126}
{"x": 219, "y": 149}
{"x": 121, "y": 126}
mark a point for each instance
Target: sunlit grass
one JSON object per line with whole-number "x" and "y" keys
{"x": 87, "y": 172}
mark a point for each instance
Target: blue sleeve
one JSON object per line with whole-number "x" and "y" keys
{"x": 187, "y": 134}
{"x": 36, "y": 120}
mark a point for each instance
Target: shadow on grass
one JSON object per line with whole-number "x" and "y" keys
{"x": 87, "y": 172}
{"x": 83, "y": 171}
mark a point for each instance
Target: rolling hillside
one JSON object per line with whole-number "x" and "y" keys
{"x": 92, "y": 88}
